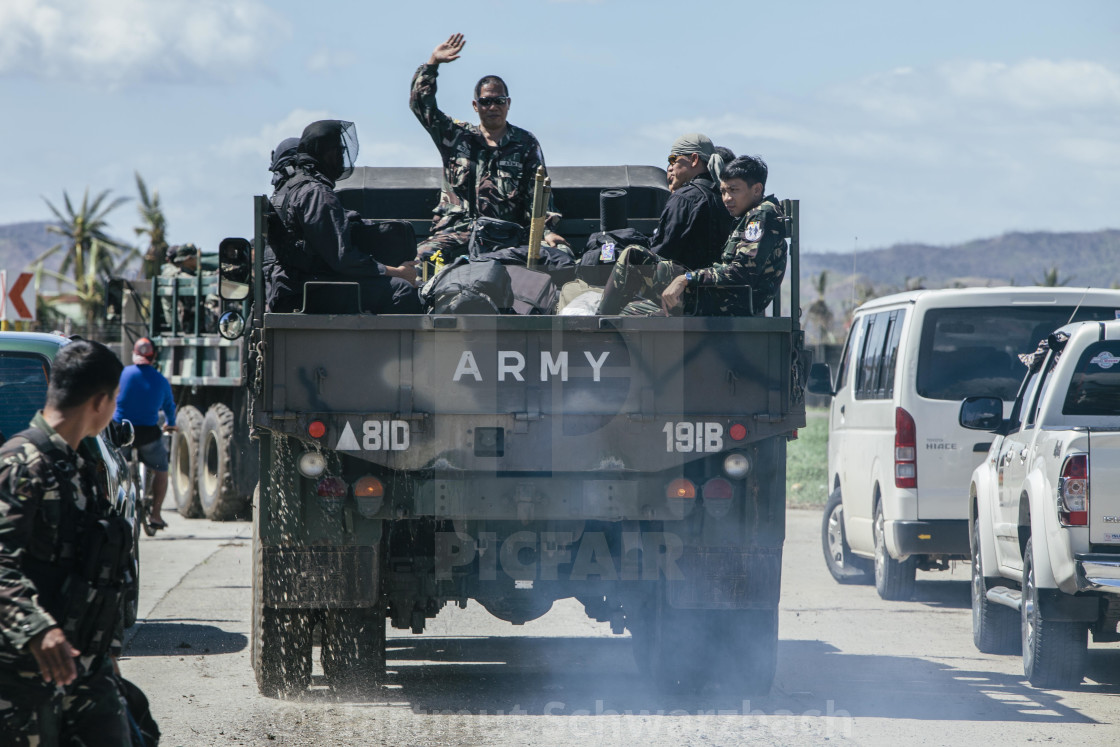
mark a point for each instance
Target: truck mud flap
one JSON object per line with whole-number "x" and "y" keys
{"x": 727, "y": 579}
{"x": 320, "y": 577}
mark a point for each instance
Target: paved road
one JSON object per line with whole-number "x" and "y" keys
{"x": 852, "y": 669}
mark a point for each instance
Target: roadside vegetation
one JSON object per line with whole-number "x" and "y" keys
{"x": 807, "y": 462}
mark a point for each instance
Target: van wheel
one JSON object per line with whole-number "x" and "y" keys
{"x": 845, "y": 567}
{"x": 217, "y": 489}
{"x": 995, "y": 628}
{"x": 894, "y": 580}
{"x": 184, "y": 461}
{"x": 1055, "y": 653}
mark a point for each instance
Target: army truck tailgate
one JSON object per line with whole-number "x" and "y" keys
{"x": 528, "y": 394}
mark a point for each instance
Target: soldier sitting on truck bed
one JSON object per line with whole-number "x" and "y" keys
{"x": 184, "y": 260}
{"x": 488, "y": 170}
{"x": 310, "y": 240}
{"x": 754, "y": 257}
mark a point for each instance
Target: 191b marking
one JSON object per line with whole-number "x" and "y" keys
{"x": 690, "y": 437}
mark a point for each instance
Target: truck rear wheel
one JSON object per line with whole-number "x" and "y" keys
{"x": 845, "y": 567}
{"x": 894, "y": 579}
{"x": 353, "y": 649}
{"x": 1054, "y": 653}
{"x": 217, "y": 488}
{"x": 184, "y": 462}
{"x": 995, "y": 628}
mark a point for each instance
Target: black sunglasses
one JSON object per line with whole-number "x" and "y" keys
{"x": 493, "y": 101}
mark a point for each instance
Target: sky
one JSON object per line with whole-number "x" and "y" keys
{"x": 891, "y": 122}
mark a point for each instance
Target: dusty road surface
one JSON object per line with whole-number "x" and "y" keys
{"x": 852, "y": 669}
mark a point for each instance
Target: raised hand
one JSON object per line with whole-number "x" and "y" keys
{"x": 448, "y": 50}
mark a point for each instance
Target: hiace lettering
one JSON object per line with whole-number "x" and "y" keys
{"x": 511, "y": 365}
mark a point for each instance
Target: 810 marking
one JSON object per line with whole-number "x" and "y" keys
{"x": 692, "y": 437}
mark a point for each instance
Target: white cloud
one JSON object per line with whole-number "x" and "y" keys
{"x": 114, "y": 42}
{"x": 1035, "y": 84}
{"x": 329, "y": 60}
{"x": 260, "y": 145}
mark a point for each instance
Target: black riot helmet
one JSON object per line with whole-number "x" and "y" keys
{"x": 333, "y": 145}
{"x": 282, "y": 157}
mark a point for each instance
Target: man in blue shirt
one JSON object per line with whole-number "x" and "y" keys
{"x": 144, "y": 392}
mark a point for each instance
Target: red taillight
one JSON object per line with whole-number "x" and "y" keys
{"x": 1073, "y": 491}
{"x": 331, "y": 487}
{"x": 316, "y": 429}
{"x": 738, "y": 432}
{"x": 905, "y": 450}
{"x": 717, "y": 489}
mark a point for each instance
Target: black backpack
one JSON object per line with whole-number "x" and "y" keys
{"x": 533, "y": 291}
{"x": 603, "y": 248}
{"x": 469, "y": 286}
{"x": 390, "y": 242}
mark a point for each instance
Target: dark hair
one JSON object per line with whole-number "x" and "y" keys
{"x": 82, "y": 370}
{"x": 487, "y": 81}
{"x": 725, "y": 153}
{"x": 751, "y": 169}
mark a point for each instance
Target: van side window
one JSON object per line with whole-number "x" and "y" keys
{"x": 876, "y": 366}
{"x": 850, "y": 345}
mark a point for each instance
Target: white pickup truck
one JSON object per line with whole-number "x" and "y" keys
{"x": 1044, "y": 515}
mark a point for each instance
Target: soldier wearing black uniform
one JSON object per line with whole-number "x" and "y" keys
{"x": 694, "y": 223}
{"x": 63, "y": 558}
{"x": 311, "y": 236}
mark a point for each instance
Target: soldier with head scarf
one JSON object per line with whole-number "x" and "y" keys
{"x": 310, "y": 237}
{"x": 488, "y": 169}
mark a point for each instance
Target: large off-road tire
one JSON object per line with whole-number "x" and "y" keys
{"x": 1055, "y": 653}
{"x": 184, "y": 462}
{"x": 995, "y": 627}
{"x": 217, "y": 485}
{"x": 281, "y": 637}
{"x": 894, "y": 579}
{"x": 353, "y": 649}
{"x": 845, "y": 567}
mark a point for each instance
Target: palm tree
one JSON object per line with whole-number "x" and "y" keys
{"x": 154, "y": 226}
{"x": 1050, "y": 279}
{"x": 819, "y": 311}
{"x": 91, "y": 256}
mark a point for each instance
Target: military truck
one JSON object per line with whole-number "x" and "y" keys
{"x": 414, "y": 461}
{"x": 213, "y": 464}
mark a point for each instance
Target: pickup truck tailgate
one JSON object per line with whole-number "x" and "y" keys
{"x": 1104, "y": 487}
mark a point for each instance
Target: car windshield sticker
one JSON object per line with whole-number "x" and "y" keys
{"x": 1105, "y": 359}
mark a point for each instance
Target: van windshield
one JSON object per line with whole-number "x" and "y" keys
{"x": 1094, "y": 388}
{"x": 23, "y": 389}
{"x": 973, "y": 352}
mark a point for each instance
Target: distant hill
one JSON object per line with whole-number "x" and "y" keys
{"x": 21, "y": 243}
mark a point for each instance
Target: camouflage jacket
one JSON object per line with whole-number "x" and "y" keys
{"x": 478, "y": 181}
{"x": 30, "y": 523}
{"x": 754, "y": 255}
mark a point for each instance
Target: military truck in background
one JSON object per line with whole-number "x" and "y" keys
{"x": 408, "y": 462}
{"x": 213, "y": 464}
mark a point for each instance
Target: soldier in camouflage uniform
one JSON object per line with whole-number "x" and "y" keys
{"x": 488, "y": 169}
{"x": 754, "y": 257}
{"x": 58, "y": 644}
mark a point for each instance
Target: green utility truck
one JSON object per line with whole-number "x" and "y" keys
{"x": 408, "y": 462}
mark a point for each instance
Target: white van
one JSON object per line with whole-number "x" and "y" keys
{"x": 899, "y": 463}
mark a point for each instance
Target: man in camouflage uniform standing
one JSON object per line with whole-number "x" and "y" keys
{"x": 488, "y": 169}
{"x": 60, "y": 600}
{"x": 753, "y": 257}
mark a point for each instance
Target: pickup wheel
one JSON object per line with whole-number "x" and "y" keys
{"x": 894, "y": 579}
{"x": 845, "y": 567}
{"x": 1054, "y": 653}
{"x": 217, "y": 489}
{"x": 353, "y": 649}
{"x": 995, "y": 627}
{"x": 184, "y": 462}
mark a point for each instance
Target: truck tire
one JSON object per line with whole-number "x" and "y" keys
{"x": 894, "y": 579}
{"x": 217, "y": 487}
{"x": 995, "y": 627}
{"x": 753, "y": 634}
{"x": 184, "y": 462}
{"x": 353, "y": 649}
{"x": 281, "y": 639}
{"x": 1055, "y": 654}
{"x": 845, "y": 567}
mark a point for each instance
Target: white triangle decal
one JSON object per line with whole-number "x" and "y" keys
{"x": 347, "y": 442}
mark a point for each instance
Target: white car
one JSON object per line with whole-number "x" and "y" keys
{"x": 1044, "y": 508}
{"x": 898, "y": 461}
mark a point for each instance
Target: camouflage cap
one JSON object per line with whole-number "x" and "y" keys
{"x": 180, "y": 252}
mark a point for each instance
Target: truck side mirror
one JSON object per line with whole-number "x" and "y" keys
{"x": 981, "y": 413}
{"x": 820, "y": 380}
{"x": 235, "y": 265}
